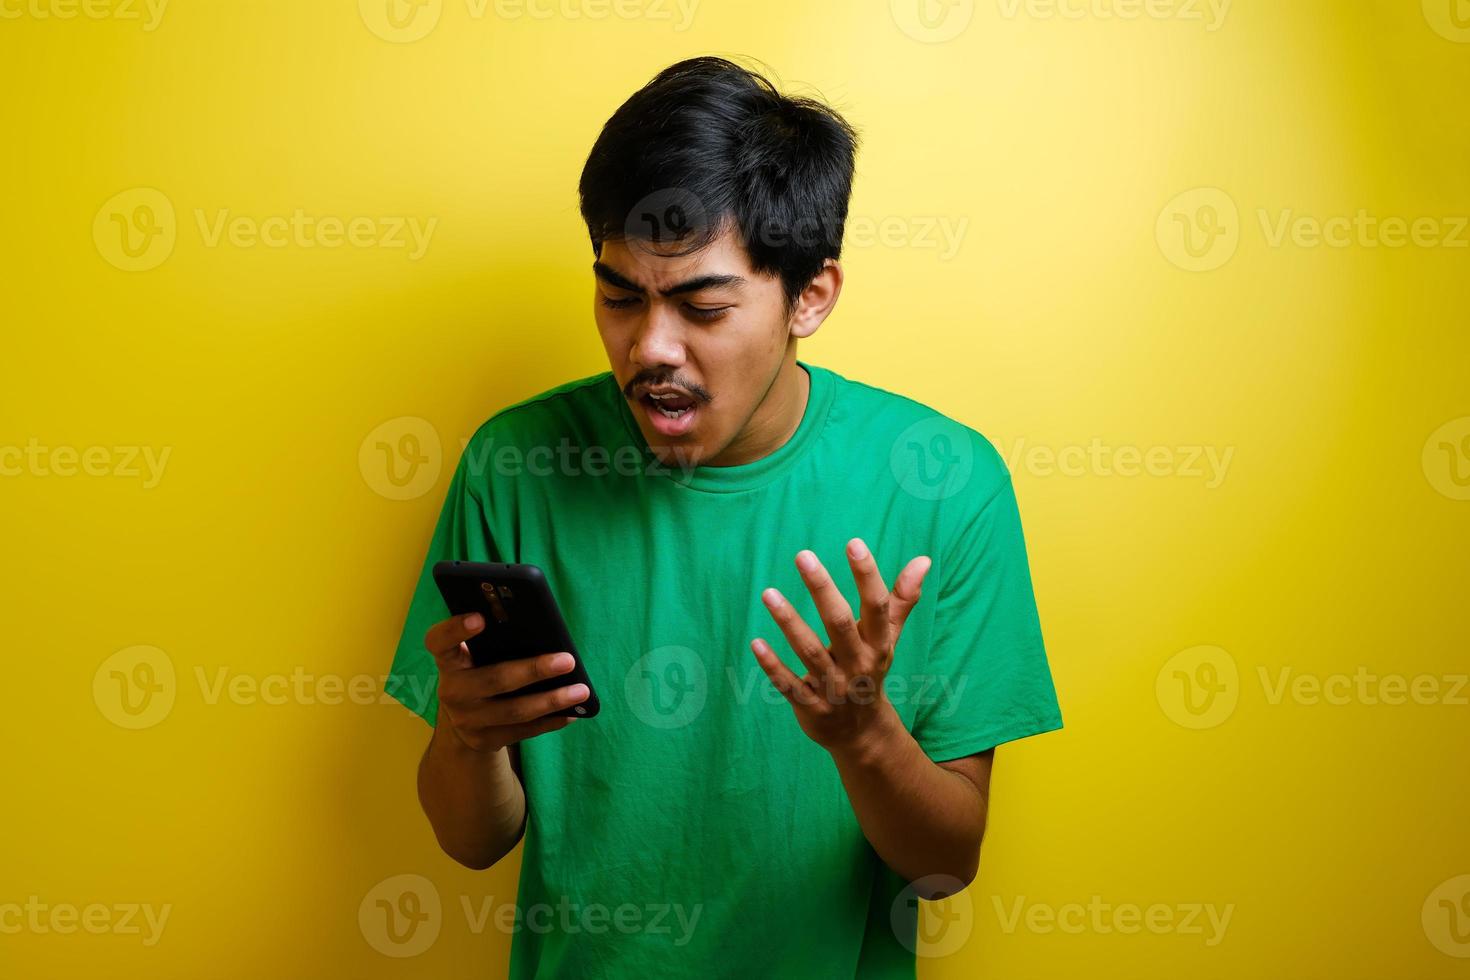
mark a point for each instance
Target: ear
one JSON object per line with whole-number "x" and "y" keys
{"x": 817, "y": 300}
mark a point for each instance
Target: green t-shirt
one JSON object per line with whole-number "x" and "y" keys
{"x": 692, "y": 828}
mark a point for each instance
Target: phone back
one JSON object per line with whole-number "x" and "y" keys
{"x": 522, "y": 619}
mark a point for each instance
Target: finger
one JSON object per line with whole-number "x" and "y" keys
{"x": 806, "y": 644}
{"x": 460, "y": 659}
{"x": 444, "y": 637}
{"x": 906, "y": 592}
{"x": 511, "y": 734}
{"x": 832, "y": 606}
{"x": 519, "y": 709}
{"x": 872, "y": 594}
{"x": 512, "y": 675}
{"x": 792, "y": 687}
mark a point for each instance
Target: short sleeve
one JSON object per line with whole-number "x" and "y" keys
{"x": 986, "y": 653}
{"x": 462, "y": 534}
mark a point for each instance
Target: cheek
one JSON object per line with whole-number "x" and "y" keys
{"x": 614, "y": 341}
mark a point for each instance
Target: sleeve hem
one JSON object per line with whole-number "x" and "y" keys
{"x": 407, "y": 693}
{"x": 959, "y": 748}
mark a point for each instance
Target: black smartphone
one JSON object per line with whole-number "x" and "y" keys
{"x": 522, "y": 620}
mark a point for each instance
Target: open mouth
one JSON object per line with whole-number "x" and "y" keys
{"x": 671, "y": 412}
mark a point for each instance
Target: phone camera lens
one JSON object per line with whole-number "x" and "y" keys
{"x": 580, "y": 710}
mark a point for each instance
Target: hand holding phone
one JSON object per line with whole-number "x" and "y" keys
{"x": 482, "y": 703}
{"x": 506, "y": 660}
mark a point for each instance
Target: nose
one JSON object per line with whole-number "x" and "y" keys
{"x": 659, "y": 342}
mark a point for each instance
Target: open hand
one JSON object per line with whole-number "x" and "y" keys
{"x": 840, "y": 703}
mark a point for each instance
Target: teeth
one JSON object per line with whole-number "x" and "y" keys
{"x": 669, "y": 413}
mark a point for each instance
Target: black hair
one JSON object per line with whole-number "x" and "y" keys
{"x": 709, "y": 144}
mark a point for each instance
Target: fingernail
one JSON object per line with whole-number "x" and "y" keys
{"x": 772, "y": 597}
{"x": 474, "y": 621}
{"x": 561, "y": 662}
{"x": 806, "y": 561}
{"x": 856, "y": 550}
{"x": 576, "y": 692}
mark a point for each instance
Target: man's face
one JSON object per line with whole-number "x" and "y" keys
{"x": 695, "y": 342}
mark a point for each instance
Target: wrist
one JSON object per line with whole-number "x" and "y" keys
{"x": 876, "y": 742}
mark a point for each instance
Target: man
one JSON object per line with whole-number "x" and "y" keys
{"x": 789, "y": 750}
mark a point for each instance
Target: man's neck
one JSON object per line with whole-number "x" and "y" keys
{"x": 776, "y": 419}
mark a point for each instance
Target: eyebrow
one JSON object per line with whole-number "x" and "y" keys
{"x": 614, "y": 278}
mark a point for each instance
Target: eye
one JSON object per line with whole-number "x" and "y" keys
{"x": 706, "y": 314}
{"x": 618, "y": 304}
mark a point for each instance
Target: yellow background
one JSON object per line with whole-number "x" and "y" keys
{"x": 1334, "y": 543}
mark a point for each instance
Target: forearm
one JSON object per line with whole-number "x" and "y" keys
{"x": 473, "y": 800}
{"x": 921, "y": 819}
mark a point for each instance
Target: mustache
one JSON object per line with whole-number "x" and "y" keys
{"x": 654, "y": 379}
